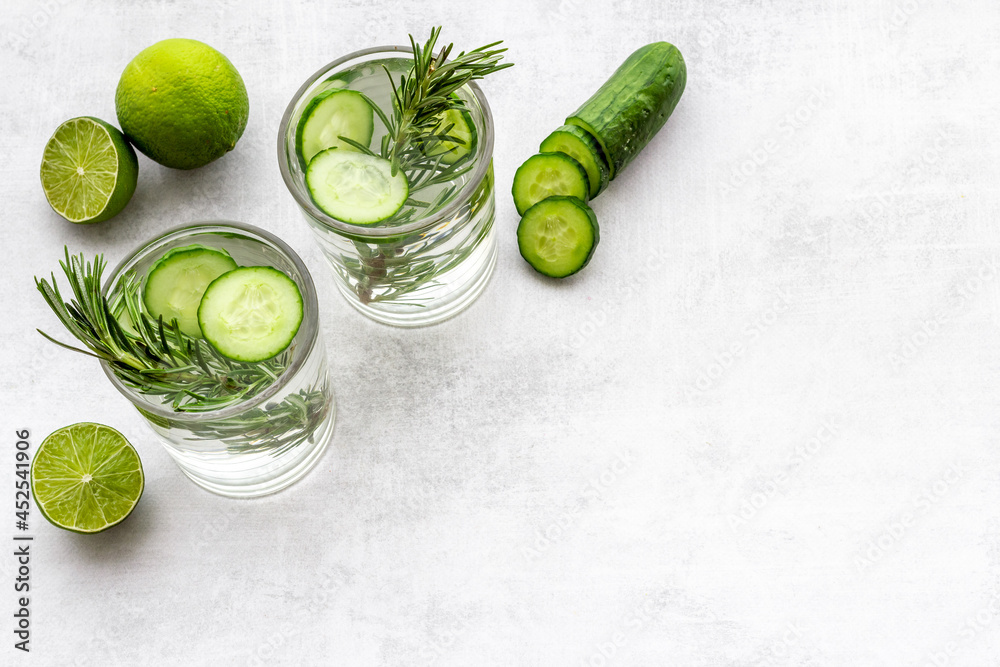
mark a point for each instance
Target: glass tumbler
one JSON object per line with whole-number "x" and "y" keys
{"x": 270, "y": 440}
{"x": 435, "y": 263}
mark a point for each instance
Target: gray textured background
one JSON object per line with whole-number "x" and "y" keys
{"x": 759, "y": 429}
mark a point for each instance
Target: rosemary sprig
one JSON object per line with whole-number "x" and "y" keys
{"x": 156, "y": 358}
{"x": 151, "y": 356}
{"x": 414, "y": 129}
{"x": 273, "y": 428}
{"x": 424, "y": 95}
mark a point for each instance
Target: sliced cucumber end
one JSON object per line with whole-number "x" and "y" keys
{"x": 251, "y": 314}
{"x": 578, "y": 144}
{"x": 546, "y": 175}
{"x": 355, "y": 187}
{"x": 589, "y": 129}
{"x": 558, "y": 235}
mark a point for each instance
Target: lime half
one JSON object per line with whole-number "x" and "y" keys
{"x": 86, "y": 477}
{"x": 89, "y": 170}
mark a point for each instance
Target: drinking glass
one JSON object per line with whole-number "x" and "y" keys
{"x": 430, "y": 267}
{"x": 270, "y": 440}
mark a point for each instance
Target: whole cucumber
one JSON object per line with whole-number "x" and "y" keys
{"x": 631, "y": 107}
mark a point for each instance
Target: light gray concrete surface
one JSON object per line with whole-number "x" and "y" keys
{"x": 759, "y": 429}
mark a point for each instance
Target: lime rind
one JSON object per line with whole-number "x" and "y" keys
{"x": 86, "y": 478}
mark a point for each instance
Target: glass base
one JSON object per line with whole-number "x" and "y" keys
{"x": 438, "y": 311}
{"x": 260, "y": 476}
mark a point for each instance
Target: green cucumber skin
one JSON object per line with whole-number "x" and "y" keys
{"x": 631, "y": 107}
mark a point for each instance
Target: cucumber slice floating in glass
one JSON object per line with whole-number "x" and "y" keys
{"x": 455, "y": 123}
{"x": 558, "y": 235}
{"x": 251, "y": 313}
{"x": 178, "y": 280}
{"x": 356, "y": 187}
{"x": 330, "y": 115}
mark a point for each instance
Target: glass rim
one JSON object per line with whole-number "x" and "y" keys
{"x": 355, "y": 230}
{"x": 310, "y": 324}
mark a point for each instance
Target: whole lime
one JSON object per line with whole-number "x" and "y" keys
{"x": 182, "y": 103}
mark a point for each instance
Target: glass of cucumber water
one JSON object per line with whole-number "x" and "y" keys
{"x": 411, "y": 242}
{"x": 248, "y": 409}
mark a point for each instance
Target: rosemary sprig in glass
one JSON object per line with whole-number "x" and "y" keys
{"x": 414, "y": 130}
{"x": 157, "y": 359}
{"x": 422, "y": 97}
{"x": 151, "y": 356}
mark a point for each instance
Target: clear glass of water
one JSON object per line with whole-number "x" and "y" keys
{"x": 270, "y": 440}
{"x": 430, "y": 267}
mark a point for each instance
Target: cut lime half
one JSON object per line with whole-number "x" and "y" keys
{"x": 89, "y": 170}
{"x": 86, "y": 477}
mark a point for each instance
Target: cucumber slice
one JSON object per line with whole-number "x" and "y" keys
{"x": 251, "y": 313}
{"x": 558, "y": 235}
{"x": 330, "y": 115}
{"x": 548, "y": 174}
{"x": 355, "y": 187}
{"x": 579, "y": 145}
{"x": 454, "y": 123}
{"x": 177, "y": 281}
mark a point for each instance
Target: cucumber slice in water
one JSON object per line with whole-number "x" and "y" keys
{"x": 546, "y": 175}
{"x": 355, "y": 187}
{"x": 177, "y": 281}
{"x": 558, "y": 235}
{"x": 251, "y": 313}
{"x": 578, "y": 144}
{"x": 330, "y": 115}
{"x": 455, "y": 123}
